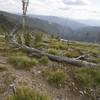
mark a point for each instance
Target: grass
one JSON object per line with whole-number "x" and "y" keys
{"x": 16, "y": 53}
{"x": 2, "y": 38}
{"x": 55, "y": 77}
{"x": 88, "y": 77}
{"x": 40, "y": 45}
{"x": 3, "y": 46}
{"x": 26, "y": 93}
{"x": 22, "y": 62}
{"x": 2, "y": 88}
{"x": 59, "y": 45}
{"x": 72, "y": 54}
{"x": 3, "y": 68}
{"x": 44, "y": 61}
{"x": 94, "y": 60}
{"x": 7, "y": 79}
{"x": 88, "y": 48}
{"x": 55, "y": 51}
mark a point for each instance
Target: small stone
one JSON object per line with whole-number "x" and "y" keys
{"x": 91, "y": 90}
{"x": 73, "y": 83}
{"x": 81, "y": 92}
{"x": 66, "y": 98}
{"x": 84, "y": 92}
{"x": 39, "y": 72}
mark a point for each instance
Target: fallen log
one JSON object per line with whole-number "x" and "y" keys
{"x": 72, "y": 61}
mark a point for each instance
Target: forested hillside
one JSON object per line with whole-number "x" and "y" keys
{"x": 51, "y": 26}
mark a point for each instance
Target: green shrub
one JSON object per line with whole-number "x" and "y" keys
{"x": 57, "y": 77}
{"x": 54, "y": 51}
{"x": 27, "y": 38}
{"x": 88, "y": 77}
{"x": 44, "y": 61}
{"x": 58, "y": 45}
{"x": 38, "y": 38}
{"x": 16, "y": 53}
{"x": 25, "y": 93}
{"x": 72, "y": 54}
{"x": 63, "y": 46}
{"x": 94, "y": 60}
{"x": 22, "y": 62}
{"x": 40, "y": 45}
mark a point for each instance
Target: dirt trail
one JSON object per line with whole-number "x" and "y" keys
{"x": 35, "y": 80}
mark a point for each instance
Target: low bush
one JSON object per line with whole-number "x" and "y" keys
{"x": 16, "y": 53}
{"x": 25, "y": 93}
{"x": 55, "y": 51}
{"x": 22, "y": 62}
{"x": 87, "y": 77}
{"x": 57, "y": 77}
{"x": 72, "y": 54}
{"x": 94, "y": 60}
{"x": 44, "y": 61}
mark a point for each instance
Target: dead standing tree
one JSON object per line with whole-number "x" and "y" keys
{"x": 25, "y": 4}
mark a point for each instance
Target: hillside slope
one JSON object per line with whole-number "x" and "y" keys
{"x": 51, "y": 25}
{"x": 5, "y": 24}
{"x": 65, "y": 22}
{"x": 35, "y": 23}
{"x": 56, "y": 80}
{"x": 89, "y": 34}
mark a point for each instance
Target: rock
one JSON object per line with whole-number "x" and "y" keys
{"x": 39, "y": 72}
{"x": 81, "y": 92}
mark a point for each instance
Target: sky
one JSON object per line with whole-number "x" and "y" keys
{"x": 74, "y": 9}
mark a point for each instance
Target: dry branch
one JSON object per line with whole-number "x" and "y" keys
{"x": 82, "y": 57}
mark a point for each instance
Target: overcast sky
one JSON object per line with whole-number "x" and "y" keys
{"x": 75, "y": 9}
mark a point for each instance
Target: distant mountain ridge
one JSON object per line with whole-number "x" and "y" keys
{"x": 91, "y": 22}
{"x": 65, "y": 22}
{"x": 51, "y": 28}
{"x": 82, "y": 32}
{"x": 89, "y": 34}
{"x": 51, "y": 25}
{"x": 5, "y": 24}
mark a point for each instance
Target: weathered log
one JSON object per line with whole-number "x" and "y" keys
{"x": 72, "y": 61}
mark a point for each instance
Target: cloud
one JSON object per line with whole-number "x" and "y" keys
{"x": 52, "y": 4}
{"x": 75, "y": 9}
{"x": 10, "y": 5}
{"x": 76, "y": 2}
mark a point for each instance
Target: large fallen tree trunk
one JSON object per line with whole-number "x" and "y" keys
{"x": 72, "y": 61}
